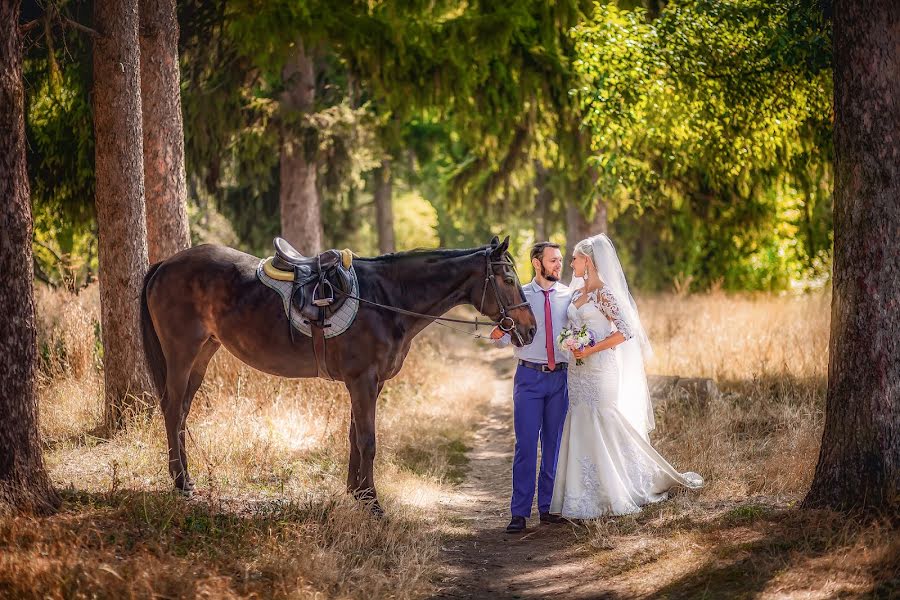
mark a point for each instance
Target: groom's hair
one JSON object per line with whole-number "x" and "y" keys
{"x": 537, "y": 251}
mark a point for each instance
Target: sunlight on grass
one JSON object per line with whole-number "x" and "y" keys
{"x": 742, "y": 535}
{"x": 269, "y": 455}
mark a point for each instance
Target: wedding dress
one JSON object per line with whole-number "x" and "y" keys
{"x": 606, "y": 465}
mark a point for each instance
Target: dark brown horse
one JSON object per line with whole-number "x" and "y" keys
{"x": 209, "y": 296}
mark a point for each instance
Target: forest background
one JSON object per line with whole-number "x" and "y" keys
{"x": 697, "y": 133}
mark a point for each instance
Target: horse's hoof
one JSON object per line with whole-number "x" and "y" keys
{"x": 367, "y": 498}
{"x": 186, "y": 492}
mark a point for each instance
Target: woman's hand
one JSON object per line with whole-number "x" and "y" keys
{"x": 584, "y": 352}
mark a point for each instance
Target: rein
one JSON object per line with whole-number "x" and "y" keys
{"x": 505, "y": 323}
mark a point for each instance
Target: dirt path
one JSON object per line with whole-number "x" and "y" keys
{"x": 481, "y": 560}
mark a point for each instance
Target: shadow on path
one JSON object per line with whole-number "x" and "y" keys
{"x": 699, "y": 548}
{"x": 481, "y": 559}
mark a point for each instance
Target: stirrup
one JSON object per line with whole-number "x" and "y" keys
{"x": 323, "y": 300}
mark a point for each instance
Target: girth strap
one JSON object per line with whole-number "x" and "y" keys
{"x": 318, "y": 342}
{"x": 317, "y": 329}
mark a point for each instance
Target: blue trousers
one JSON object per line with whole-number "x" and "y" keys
{"x": 540, "y": 402}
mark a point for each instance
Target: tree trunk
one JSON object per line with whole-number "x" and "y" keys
{"x": 24, "y": 484}
{"x": 542, "y": 197}
{"x": 120, "y": 205}
{"x": 859, "y": 461}
{"x": 579, "y": 228}
{"x": 384, "y": 209}
{"x": 164, "y": 179}
{"x": 301, "y": 207}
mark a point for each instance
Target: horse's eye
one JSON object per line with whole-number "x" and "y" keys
{"x": 510, "y": 280}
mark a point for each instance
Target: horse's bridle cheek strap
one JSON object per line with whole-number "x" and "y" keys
{"x": 506, "y": 323}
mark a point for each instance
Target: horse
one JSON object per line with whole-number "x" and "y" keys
{"x": 209, "y": 296}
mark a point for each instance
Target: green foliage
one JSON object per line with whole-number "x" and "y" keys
{"x": 704, "y": 125}
{"x": 60, "y": 147}
{"x": 235, "y": 121}
{"x": 711, "y": 128}
{"x": 415, "y": 222}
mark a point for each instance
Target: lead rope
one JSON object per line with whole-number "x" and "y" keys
{"x": 410, "y": 313}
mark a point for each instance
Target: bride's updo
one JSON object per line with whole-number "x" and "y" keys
{"x": 586, "y": 248}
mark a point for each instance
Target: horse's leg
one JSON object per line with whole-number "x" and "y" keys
{"x": 353, "y": 468}
{"x": 363, "y": 393}
{"x": 198, "y": 372}
{"x": 353, "y": 482}
{"x": 178, "y": 371}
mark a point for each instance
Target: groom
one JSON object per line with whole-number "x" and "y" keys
{"x": 540, "y": 396}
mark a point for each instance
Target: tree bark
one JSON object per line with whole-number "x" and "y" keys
{"x": 165, "y": 186}
{"x": 578, "y": 228}
{"x": 24, "y": 484}
{"x": 542, "y": 197}
{"x": 859, "y": 461}
{"x": 301, "y": 207}
{"x": 384, "y": 208}
{"x": 120, "y": 206}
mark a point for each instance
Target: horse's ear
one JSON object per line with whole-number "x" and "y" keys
{"x": 495, "y": 241}
{"x": 501, "y": 249}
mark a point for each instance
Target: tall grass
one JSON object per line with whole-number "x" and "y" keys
{"x": 269, "y": 455}
{"x": 769, "y": 357}
{"x": 272, "y": 520}
{"x": 744, "y": 535}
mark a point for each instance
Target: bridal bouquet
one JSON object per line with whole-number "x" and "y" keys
{"x": 570, "y": 339}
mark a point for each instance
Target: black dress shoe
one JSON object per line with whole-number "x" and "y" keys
{"x": 516, "y": 525}
{"x": 551, "y": 518}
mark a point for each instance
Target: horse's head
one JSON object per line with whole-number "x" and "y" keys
{"x": 503, "y": 299}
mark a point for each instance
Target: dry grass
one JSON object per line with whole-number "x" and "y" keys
{"x": 269, "y": 455}
{"x": 743, "y": 535}
{"x": 769, "y": 356}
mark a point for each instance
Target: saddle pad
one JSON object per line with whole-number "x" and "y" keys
{"x": 339, "y": 321}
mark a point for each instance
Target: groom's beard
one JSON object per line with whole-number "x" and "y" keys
{"x": 548, "y": 275}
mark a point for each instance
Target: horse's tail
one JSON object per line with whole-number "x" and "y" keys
{"x": 156, "y": 360}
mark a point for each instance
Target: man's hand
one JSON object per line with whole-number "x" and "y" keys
{"x": 496, "y": 333}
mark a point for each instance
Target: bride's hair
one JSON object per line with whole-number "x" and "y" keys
{"x": 585, "y": 247}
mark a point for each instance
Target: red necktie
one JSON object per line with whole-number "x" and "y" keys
{"x": 548, "y": 330}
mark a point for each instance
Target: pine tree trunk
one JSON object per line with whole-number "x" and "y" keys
{"x": 579, "y": 228}
{"x": 120, "y": 205}
{"x": 24, "y": 484}
{"x": 164, "y": 179}
{"x": 542, "y": 197}
{"x": 384, "y": 208}
{"x": 859, "y": 461}
{"x": 301, "y": 207}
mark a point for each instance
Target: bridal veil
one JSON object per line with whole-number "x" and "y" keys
{"x": 633, "y": 396}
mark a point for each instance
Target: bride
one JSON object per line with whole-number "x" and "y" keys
{"x": 606, "y": 464}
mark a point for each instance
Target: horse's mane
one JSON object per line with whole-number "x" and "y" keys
{"x": 422, "y": 253}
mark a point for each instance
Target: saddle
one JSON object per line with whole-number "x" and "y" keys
{"x": 317, "y": 280}
{"x": 319, "y": 287}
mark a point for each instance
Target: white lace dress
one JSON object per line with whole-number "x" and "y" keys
{"x": 605, "y": 466}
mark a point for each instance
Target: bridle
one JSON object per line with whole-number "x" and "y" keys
{"x": 505, "y": 322}
{"x": 504, "y": 310}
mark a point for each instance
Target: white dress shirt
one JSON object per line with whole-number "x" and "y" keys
{"x": 536, "y": 351}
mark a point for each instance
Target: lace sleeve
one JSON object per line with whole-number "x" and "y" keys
{"x": 610, "y": 308}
